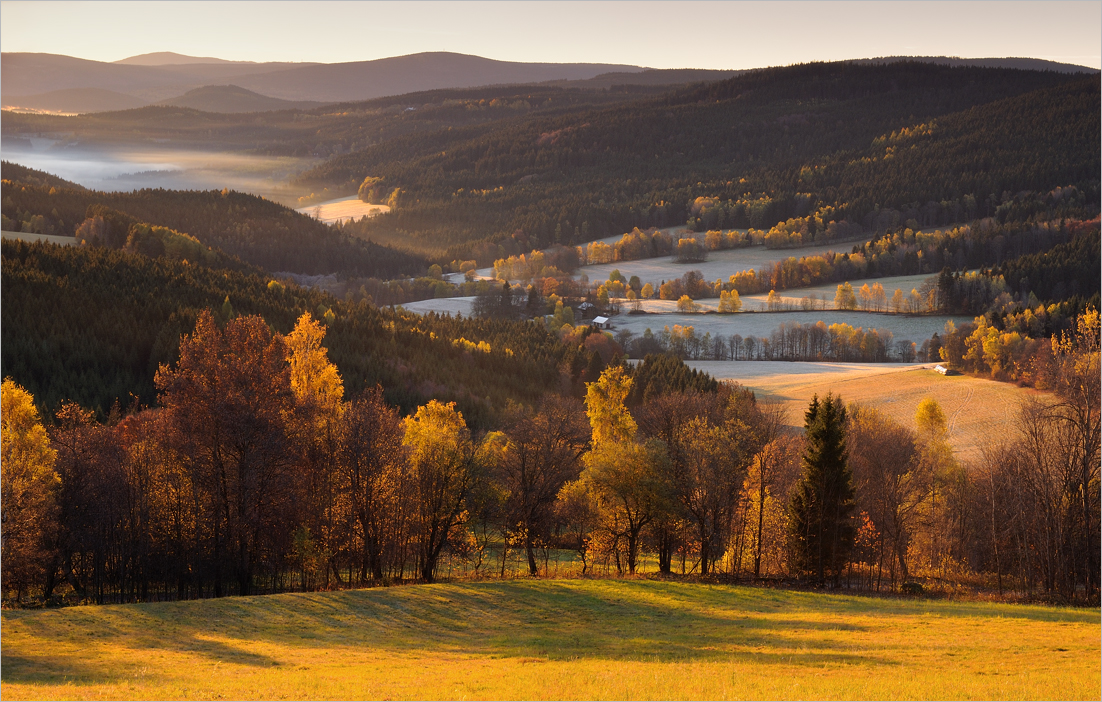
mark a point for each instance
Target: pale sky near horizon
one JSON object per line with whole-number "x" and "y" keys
{"x": 653, "y": 33}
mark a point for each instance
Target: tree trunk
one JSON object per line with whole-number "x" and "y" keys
{"x": 761, "y": 520}
{"x": 665, "y": 551}
{"x": 533, "y": 568}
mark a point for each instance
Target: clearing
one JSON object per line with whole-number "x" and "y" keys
{"x": 48, "y": 238}
{"x": 720, "y": 264}
{"x": 341, "y": 209}
{"x": 826, "y": 292}
{"x": 916, "y": 328}
{"x": 443, "y": 305}
{"x": 977, "y": 410}
{"x": 553, "y": 639}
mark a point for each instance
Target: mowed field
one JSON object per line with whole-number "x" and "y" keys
{"x": 553, "y": 639}
{"x": 914, "y": 328}
{"x": 979, "y": 411}
{"x": 443, "y": 305}
{"x": 341, "y": 209}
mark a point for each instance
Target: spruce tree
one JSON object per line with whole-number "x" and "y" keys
{"x": 820, "y": 527}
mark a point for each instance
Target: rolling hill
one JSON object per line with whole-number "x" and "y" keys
{"x": 857, "y": 139}
{"x": 553, "y": 639}
{"x": 232, "y": 99}
{"x": 29, "y": 74}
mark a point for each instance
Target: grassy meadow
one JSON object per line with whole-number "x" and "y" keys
{"x": 342, "y": 209}
{"x": 553, "y": 639}
{"x": 977, "y": 409}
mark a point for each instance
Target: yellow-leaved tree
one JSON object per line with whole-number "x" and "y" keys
{"x": 938, "y": 549}
{"x": 315, "y": 424}
{"x": 623, "y": 477}
{"x": 315, "y": 381}
{"x": 444, "y": 465}
{"x": 604, "y": 403}
{"x": 28, "y": 485}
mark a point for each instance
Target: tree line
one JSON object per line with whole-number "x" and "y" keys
{"x": 84, "y": 324}
{"x": 256, "y": 475}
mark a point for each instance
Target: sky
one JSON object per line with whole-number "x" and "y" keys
{"x": 653, "y": 33}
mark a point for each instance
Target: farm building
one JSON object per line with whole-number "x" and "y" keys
{"x": 602, "y": 323}
{"x": 944, "y": 369}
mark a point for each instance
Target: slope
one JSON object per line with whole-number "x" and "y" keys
{"x": 258, "y": 231}
{"x": 232, "y": 98}
{"x": 92, "y": 324}
{"x": 753, "y": 139}
{"x": 553, "y": 639}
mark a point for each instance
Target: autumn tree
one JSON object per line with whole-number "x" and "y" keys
{"x": 314, "y": 425}
{"x": 444, "y": 465}
{"x": 665, "y": 417}
{"x": 604, "y": 403}
{"x": 577, "y": 516}
{"x": 543, "y": 452}
{"x": 940, "y": 543}
{"x": 769, "y": 459}
{"x": 626, "y": 477}
{"x": 819, "y": 516}
{"x": 891, "y": 479}
{"x": 29, "y": 484}
{"x": 228, "y": 396}
{"x": 628, "y": 485}
{"x": 844, "y": 297}
{"x": 372, "y": 472}
{"x": 1074, "y": 376}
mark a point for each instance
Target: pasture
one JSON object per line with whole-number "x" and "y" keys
{"x": 553, "y": 639}
{"x": 978, "y": 410}
{"x": 48, "y": 238}
{"x": 759, "y": 324}
{"x": 342, "y": 209}
{"x": 906, "y": 283}
{"x": 443, "y": 305}
{"x": 719, "y": 264}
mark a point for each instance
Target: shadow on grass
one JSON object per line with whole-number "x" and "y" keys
{"x": 106, "y": 629}
{"x": 546, "y": 619}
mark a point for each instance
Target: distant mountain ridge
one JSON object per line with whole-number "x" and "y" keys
{"x": 28, "y": 77}
{"x": 1021, "y": 63}
{"x": 171, "y": 58}
{"x": 56, "y": 83}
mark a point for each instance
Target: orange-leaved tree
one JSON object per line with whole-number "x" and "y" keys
{"x": 28, "y": 485}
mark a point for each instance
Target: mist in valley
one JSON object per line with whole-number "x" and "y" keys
{"x": 128, "y": 168}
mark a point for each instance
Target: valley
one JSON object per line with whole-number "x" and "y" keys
{"x": 433, "y": 375}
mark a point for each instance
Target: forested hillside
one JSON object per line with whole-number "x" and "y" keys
{"x": 324, "y": 131}
{"x": 258, "y": 231}
{"x": 928, "y": 142}
{"x": 91, "y": 325}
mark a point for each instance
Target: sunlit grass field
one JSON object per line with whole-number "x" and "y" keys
{"x": 974, "y": 407}
{"x": 557, "y": 639}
